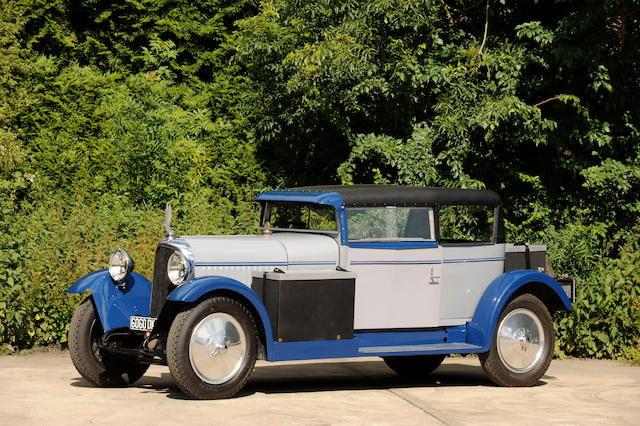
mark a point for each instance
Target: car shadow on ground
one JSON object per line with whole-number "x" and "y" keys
{"x": 323, "y": 376}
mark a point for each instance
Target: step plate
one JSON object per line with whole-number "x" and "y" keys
{"x": 440, "y": 347}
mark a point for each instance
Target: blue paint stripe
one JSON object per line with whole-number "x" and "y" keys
{"x": 355, "y": 262}
{"x": 424, "y": 262}
{"x": 397, "y": 262}
{"x": 486, "y": 259}
{"x": 301, "y": 262}
{"x": 241, "y": 264}
{"x": 393, "y": 245}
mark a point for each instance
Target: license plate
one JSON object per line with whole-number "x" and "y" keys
{"x": 141, "y": 323}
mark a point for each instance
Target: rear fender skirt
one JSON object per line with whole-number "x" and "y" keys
{"x": 196, "y": 288}
{"x": 116, "y": 305}
{"x": 480, "y": 329}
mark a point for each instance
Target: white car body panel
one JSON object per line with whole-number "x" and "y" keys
{"x": 396, "y": 288}
{"x": 467, "y": 271}
{"x": 307, "y": 251}
{"x": 238, "y": 256}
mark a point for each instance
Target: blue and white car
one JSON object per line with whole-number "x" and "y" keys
{"x": 403, "y": 273}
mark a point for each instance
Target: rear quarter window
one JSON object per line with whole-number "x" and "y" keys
{"x": 466, "y": 223}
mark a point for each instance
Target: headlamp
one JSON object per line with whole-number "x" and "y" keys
{"x": 120, "y": 265}
{"x": 178, "y": 268}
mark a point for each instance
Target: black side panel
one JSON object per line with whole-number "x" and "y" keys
{"x": 525, "y": 260}
{"x": 310, "y": 309}
{"x": 161, "y": 284}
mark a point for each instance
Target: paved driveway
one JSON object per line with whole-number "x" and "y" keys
{"x": 44, "y": 388}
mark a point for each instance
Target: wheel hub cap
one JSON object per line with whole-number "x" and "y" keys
{"x": 217, "y": 348}
{"x": 520, "y": 340}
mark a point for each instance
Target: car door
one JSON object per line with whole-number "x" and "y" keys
{"x": 471, "y": 260}
{"x": 398, "y": 265}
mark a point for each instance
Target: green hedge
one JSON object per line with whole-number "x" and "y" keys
{"x": 111, "y": 109}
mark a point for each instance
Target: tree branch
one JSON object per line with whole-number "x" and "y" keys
{"x": 546, "y": 101}
{"x": 486, "y": 28}
{"x": 446, "y": 9}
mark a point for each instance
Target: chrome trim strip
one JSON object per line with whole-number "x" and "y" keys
{"x": 417, "y": 348}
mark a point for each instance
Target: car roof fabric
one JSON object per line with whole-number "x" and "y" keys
{"x": 389, "y": 195}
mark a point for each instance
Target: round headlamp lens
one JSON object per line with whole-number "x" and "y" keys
{"x": 120, "y": 264}
{"x": 177, "y": 268}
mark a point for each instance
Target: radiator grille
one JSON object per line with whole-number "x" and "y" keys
{"x": 161, "y": 285}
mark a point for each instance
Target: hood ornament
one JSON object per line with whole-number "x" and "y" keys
{"x": 167, "y": 223}
{"x": 267, "y": 229}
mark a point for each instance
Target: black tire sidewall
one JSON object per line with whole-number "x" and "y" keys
{"x": 178, "y": 349}
{"x": 80, "y": 349}
{"x": 108, "y": 371}
{"x": 493, "y": 365}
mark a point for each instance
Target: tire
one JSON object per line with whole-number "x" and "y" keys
{"x": 522, "y": 345}
{"x": 97, "y": 366}
{"x": 202, "y": 362}
{"x": 414, "y": 366}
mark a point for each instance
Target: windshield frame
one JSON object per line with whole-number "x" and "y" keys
{"x": 265, "y": 215}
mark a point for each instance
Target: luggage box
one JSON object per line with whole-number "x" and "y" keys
{"x": 525, "y": 256}
{"x": 308, "y": 305}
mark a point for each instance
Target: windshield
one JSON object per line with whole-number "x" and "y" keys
{"x": 300, "y": 216}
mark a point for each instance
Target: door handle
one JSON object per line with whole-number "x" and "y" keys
{"x": 433, "y": 279}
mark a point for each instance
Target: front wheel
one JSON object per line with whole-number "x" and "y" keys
{"x": 522, "y": 344}
{"x": 97, "y": 366}
{"x": 211, "y": 348}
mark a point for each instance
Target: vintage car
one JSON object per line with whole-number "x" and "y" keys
{"x": 403, "y": 273}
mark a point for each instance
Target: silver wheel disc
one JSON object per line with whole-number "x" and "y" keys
{"x": 520, "y": 340}
{"x": 217, "y": 348}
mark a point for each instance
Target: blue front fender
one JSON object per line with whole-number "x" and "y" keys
{"x": 481, "y": 328}
{"x": 114, "y": 305}
{"x": 198, "y": 287}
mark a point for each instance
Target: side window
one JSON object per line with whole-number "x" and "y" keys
{"x": 390, "y": 224}
{"x": 466, "y": 223}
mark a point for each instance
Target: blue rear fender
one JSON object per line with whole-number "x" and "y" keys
{"x": 481, "y": 327}
{"x": 115, "y": 305}
{"x": 197, "y": 288}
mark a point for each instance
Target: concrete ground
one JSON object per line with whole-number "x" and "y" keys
{"x": 44, "y": 388}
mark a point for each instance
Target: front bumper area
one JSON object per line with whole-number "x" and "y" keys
{"x": 115, "y": 305}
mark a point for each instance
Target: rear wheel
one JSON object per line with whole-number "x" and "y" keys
{"x": 414, "y": 366}
{"x": 522, "y": 344}
{"x": 211, "y": 348}
{"x": 97, "y": 366}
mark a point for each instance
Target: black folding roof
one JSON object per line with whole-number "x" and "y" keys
{"x": 385, "y": 195}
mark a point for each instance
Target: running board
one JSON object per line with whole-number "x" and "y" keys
{"x": 434, "y": 347}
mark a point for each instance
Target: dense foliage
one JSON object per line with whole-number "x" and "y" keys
{"x": 110, "y": 110}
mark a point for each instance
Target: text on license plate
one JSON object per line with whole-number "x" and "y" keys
{"x": 141, "y": 323}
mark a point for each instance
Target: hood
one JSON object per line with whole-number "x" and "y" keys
{"x": 214, "y": 255}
